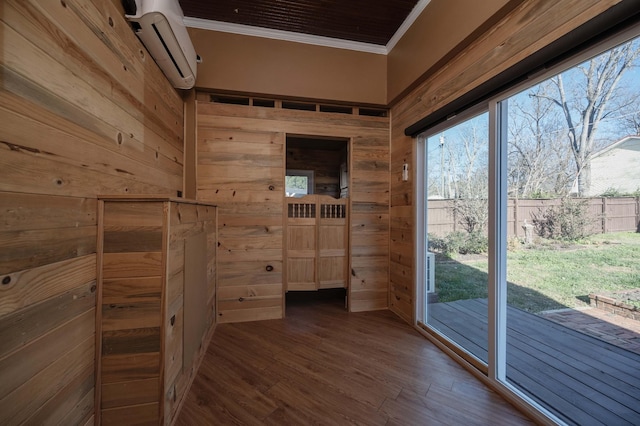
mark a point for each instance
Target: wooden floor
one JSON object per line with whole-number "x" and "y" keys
{"x": 583, "y": 379}
{"x": 324, "y": 366}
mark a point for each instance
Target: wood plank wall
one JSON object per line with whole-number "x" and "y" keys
{"x": 530, "y": 26}
{"x": 83, "y": 111}
{"x": 131, "y": 313}
{"x": 241, "y": 162}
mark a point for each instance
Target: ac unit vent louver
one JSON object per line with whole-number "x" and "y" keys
{"x": 161, "y": 28}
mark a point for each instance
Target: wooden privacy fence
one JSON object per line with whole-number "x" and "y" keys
{"x": 608, "y": 214}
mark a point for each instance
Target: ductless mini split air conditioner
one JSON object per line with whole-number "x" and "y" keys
{"x": 159, "y": 24}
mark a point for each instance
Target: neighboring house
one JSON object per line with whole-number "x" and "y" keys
{"x": 616, "y": 167}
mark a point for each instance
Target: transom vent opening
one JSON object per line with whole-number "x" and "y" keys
{"x": 296, "y": 105}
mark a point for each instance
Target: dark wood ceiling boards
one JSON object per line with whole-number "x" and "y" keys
{"x": 367, "y": 21}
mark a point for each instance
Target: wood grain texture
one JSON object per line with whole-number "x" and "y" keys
{"x": 20, "y": 366}
{"x": 34, "y": 285}
{"x": 254, "y": 233}
{"x": 144, "y": 373}
{"x": 71, "y": 405}
{"x": 20, "y": 404}
{"x": 28, "y": 324}
{"x": 241, "y": 167}
{"x": 83, "y": 111}
{"x": 130, "y": 393}
{"x": 368, "y": 368}
{"x": 21, "y": 250}
{"x": 316, "y": 243}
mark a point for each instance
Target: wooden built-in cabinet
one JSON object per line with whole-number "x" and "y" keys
{"x": 156, "y": 304}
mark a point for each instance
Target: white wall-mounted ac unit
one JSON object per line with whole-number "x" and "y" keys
{"x": 161, "y": 28}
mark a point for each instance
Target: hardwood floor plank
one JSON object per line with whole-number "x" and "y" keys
{"x": 322, "y": 365}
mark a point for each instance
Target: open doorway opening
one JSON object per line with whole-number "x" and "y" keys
{"x": 316, "y": 220}
{"x": 317, "y": 165}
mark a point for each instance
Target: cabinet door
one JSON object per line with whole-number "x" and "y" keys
{"x": 242, "y": 172}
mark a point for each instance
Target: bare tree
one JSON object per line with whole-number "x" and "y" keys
{"x": 593, "y": 96}
{"x": 468, "y": 159}
{"x": 538, "y": 164}
{"x": 631, "y": 118}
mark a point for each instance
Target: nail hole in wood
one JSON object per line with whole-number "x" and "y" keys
{"x": 241, "y": 299}
{"x": 271, "y": 187}
{"x": 6, "y": 280}
{"x": 269, "y": 268}
{"x": 110, "y": 22}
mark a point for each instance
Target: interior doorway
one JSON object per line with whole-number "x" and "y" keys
{"x": 317, "y": 165}
{"x": 316, "y": 248}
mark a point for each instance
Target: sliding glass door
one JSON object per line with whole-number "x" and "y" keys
{"x": 526, "y": 217}
{"x": 573, "y": 143}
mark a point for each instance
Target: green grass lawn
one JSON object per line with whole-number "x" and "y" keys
{"x": 550, "y": 276}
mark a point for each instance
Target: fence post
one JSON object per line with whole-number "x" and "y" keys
{"x": 455, "y": 220}
{"x": 637, "y": 214}
{"x": 604, "y": 215}
{"x": 515, "y": 217}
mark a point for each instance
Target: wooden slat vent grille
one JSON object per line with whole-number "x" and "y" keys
{"x": 302, "y": 210}
{"x": 333, "y": 211}
{"x": 293, "y": 105}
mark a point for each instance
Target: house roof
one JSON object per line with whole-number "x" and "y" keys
{"x": 377, "y": 24}
{"x": 614, "y": 145}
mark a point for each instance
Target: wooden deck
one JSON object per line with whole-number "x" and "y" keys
{"x": 324, "y": 366}
{"x": 583, "y": 379}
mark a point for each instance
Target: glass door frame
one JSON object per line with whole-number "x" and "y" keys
{"x": 421, "y": 245}
{"x": 494, "y": 373}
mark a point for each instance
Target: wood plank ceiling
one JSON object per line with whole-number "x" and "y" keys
{"x": 367, "y": 21}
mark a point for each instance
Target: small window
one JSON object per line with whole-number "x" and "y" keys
{"x": 299, "y": 183}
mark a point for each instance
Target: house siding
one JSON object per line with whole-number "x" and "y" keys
{"x": 617, "y": 168}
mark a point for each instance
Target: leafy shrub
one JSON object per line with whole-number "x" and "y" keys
{"x": 459, "y": 242}
{"x": 475, "y": 243}
{"x": 514, "y": 243}
{"x": 449, "y": 245}
{"x": 569, "y": 221}
{"x": 540, "y": 195}
{"x": 611, "y": 192}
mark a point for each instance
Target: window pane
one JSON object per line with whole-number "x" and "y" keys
{"x": 573, "y": 179}
{"x": 456, "y": 190}
{"x": 298, "y": 183}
